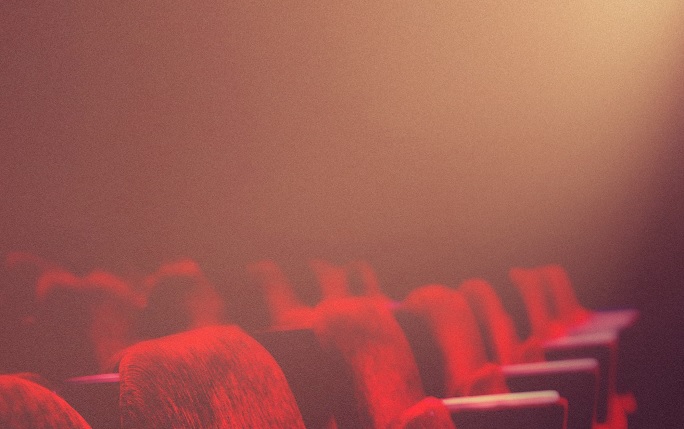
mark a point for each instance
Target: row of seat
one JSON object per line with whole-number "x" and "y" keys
{"x": 359, "y": 363}
{"x": 550, "y": 301}
{"x": 364, "y": 362}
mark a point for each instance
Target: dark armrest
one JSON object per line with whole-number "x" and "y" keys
{"x": 602, "y": 320}
{"x": 575, "y": 380}
{"x": 95, "y": 397}
{"x": 601, "y": 346}
{"x": 543, "y": 409}
{"x": 624, "y": 323}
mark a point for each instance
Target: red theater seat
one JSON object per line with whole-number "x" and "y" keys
{"x": 467, "y": 370}
{"x": 81, "y": 324}
{"x": 27, "y": 405}
{"x": 213, "y": 377}
{"x": 387, "y": 389}
{"x": 332, "y": 279}
{"x": 455, "y": 364}
{"x": 567, "y": 310}
{"x": 553, "y": 308}
{"x": 561, "y": 341}
{"x": 500, "y": 330}
{"x": 357, "y": 278}
{"x": 285, "y": 310}
{"x": 297, "y": 352}
{"x": 449, "y": 319}
{"x": 530, "y": 286}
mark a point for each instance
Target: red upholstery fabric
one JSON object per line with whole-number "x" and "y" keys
{"x": 487, "y": 306}
{"x": 27, "y": 405}
{"x": 179, "y": 297}
{"x": 529, "y": 284}
{"x": 213, "y": 377}
{"x": 567, "y": 310}
{"x": 285, "y": 310}
{"x": 429, "y": 413}
{"x": 331, "y": 278}
{"x": 369, "y": 280}
{"x": 179, "y": 268}
{"x": 358, "y": 278}
{"x": 566, "y": 307}
{"x": 509, "y": 350}
{"x": 81, "y": 323}
{"x": 113, "y": 320}
{"x": 386, "y": 383}
{"x": 452, "y": 322}
{"x": 553, "y": 310}
{"x": 570, "y": 312}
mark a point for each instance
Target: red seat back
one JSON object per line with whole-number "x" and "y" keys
{"x": 27, "y": 405}
{"x": 467, "y": 370}
{"x": 387, "y": 390}
{"x": 215, "y": 377}
{"x": 568, "y": 309}
{"x": 285, "y": 310}
{"x": 500, "y": 329}
{"x": 538, "y": 303}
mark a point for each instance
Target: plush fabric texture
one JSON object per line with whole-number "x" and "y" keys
{"x": 357, "y": 278}
{"x": 285, "y": 310}
{"x": 81, "y": 323}
{"x": 489, "y": 310}
{"x": 332, "y": 279}
{"x": 376, "y": 353}
{"x": 467, "y": 370}
{"x": 370, "y": 284}
{"x": 566, "y": 308}
{"x": 27, "y": 405}
{"x": 543, "y": 290}
{"x": 530, "y": 285}
{"x": 179, "y": 298}
{"x": 568, "y": 311}
{"x": 179, "y": 268}
{"x": 213, "y": 377}
{"x": 430, "y": 413}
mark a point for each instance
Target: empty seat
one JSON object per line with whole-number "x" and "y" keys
{"x": 285, "y": 310}
{"x": 567, "y": 310}
{"x": 467, "y": 370}
{"x": 560, "y": 342}
{"x": 27, "y": 405}
{"x": 215, "y": 377}
{"x": 387, "y": 389}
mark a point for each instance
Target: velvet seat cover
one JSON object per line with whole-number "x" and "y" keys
{"x": 212, "y": 377}
{"x": 387, "y": 390}
{"x": 508, "y": 348}
{"x": 538, "y": 304}
{"x": 467, "y": 370}
{"x": 27, "y": 405}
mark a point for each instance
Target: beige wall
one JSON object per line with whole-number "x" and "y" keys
{"x": 454, "y": 136}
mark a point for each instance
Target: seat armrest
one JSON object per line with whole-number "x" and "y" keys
{"x": 95, "y": 379}
{"x": 541, "y": 409}
{"x": 576, "y": 380}
{"x": 585, "y": 365}
{"x": 602, "y": 338}
{"x": 95, "y": 397}
{"x": 607, "y": 320}
{"x": 622, "y": 323}
{"x": 601, "y": 346}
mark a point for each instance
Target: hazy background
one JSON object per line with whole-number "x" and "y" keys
{"x": 438, "y": 140}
